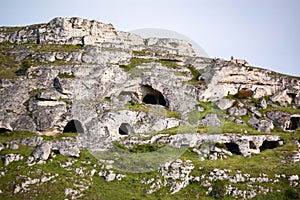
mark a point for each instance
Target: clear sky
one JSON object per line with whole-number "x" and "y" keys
{"x": 264, "y": 32}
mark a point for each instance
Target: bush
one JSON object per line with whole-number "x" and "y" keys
{"x": 221, "y": 146}
{"x": 218, "y": 189}
{"x": 24, "y": 67}
{"x": 244, "y": 93}
{"x": 292, "y": 193}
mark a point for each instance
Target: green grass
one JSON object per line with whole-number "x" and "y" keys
{"x": 196, "y": 74}
{"x": 59, "y": 136}
{"x": 12, "y": 29}
{"x": 107, "y": 99}
{"x": 137, "y": 107}
{"x": 66, "y": 75}
{"x": 172, "y": 114}
{"x": 67, "y": 101}
{"x": 168, "y": 63}
{"x": 15, "y": 134}
{"x": 283, "y": 75}
{"x": 283, "y": 109}
{"x": 139, "y": 61}
{"x": 135, "y": 62}
{"x": 140, "y": 53}
{"x": 42, "y": 48}
{"x": 7, "y": 66}
{"x": 131, "y": 187}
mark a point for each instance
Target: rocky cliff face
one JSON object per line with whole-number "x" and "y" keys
{"x": 42, "y": 98}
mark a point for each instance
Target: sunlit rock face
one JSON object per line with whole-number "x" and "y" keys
{"x": 87, "y": 72}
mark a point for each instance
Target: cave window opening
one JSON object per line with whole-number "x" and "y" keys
{"x": 154, "y": 97}
{"x": 233, "y": 148}
{"x": 293, "y": 96}
{"x": 73, "y": 126}
{"x": 269, "y": 145}
{"x": 295, "y": 123}
{"x": 252, "y": 145}
{"x": 125, "y": 129}
{"x": 3, "y": 130}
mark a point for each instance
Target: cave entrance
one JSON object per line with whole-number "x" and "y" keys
{"x": 252, "y": 145}
{"x": 73, "y": 126}
{"x": 269, "y": 145}
{"x": 153, "y": 96}
{"x": 293, "y": 96}
{"x": 295, "y": 122}
{"x": 3, "y": 130}
{"x": 125, "y": 129}
{"x": 233, "y": 148}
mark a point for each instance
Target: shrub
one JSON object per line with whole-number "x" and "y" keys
{"x": 218, "y": 189}
{"x": 292, "y": 193}
{"x": 221, "y": 146}
{"x": 24, "y": 67}
{"x": 244, "y": 93}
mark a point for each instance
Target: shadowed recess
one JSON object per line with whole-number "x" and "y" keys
{"x": 73, "y": 126}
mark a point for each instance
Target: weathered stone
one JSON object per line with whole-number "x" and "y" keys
{"x": 24, "y": 123}
{"x": 210, "y": 120}
{"x": 281, "y": 120}
{"x": 8, "y": 158}
{"x": 110, "y": 177}
{"x": 42, "y": 151}
{"x": 73, "y": 151}
{"x": 14, "y": 146}
{"x": 237, "y": 111}
{"x": 1, "y": 146}
{"x": 261, "y": 125}
{"x": 282, "y": 98}
{"x": 224, "y": 104}
{"x": 262, "y": 103}
{"x": 254, "y": 110}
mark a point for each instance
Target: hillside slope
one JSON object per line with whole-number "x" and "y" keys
{"x": 89, "y": 112}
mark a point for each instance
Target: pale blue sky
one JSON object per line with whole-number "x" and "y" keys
{"x": 264, "y": 32}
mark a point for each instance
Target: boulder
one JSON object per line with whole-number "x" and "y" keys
{"x": 262, "y": 125}
{"x": 281, "y": 120}
{"x": 73, "y": 151}
{"x": 262, "y": 103}
{"x": 24, "y": 123}
{"x": 14, "y": 146}
{"x": 254, "y": 110}
{"x": 8, "y": 158}
{"x": 224, "y": 104}
{"x": 235, "y": 111}
{"x": 42, "y": 152}
{"x": 110, "y": 177}
{"x": 282, "y": 98}
{"x": 210, "y": 120}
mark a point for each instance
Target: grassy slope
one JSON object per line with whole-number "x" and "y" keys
{"x": 130, "y": 187}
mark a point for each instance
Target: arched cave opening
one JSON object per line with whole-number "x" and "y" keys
{"x": 233, "y": 148}
{"x": 153, "y": 96}
{"x": 295, "y": 123}
{"x": 3, "y": 130}
{"x": 125, "y": 129}
{"x": 73, "y": 126}
{"x": 269, "y": 145}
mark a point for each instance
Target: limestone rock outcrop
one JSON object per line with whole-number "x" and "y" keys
{"x": 77, "y": 75}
